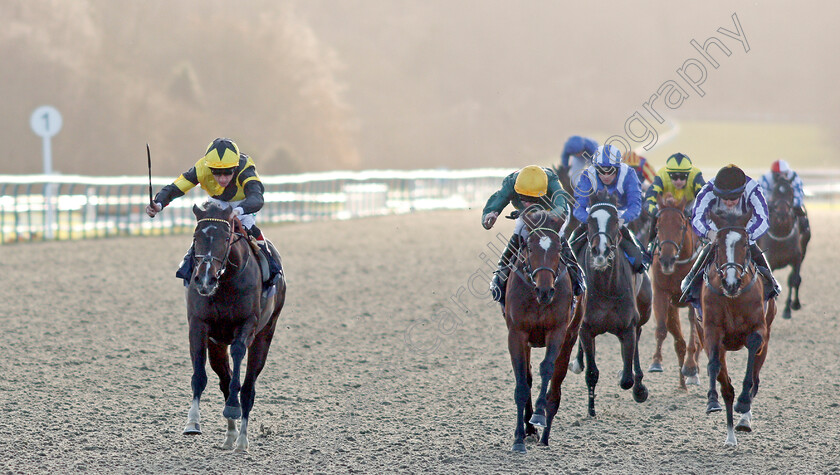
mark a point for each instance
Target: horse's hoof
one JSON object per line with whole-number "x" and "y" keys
{"x": 232, "y": 412}
{"x": 713, "y": 406}
{"x": 542, "y": 445}
{"x": 575, "y": 367}
{"x": 786, "y": 314}
{"x": 689, "y": 371}
{"x": 193, "y": 428}
{"x": 640, "y": 394}
{"x": 592, "y": 413}
{"x": 795, "y": 305}
{"x": 744, "y": 423}
{"x": 692, "y": 380}
{"x": 519, "y": 448}
{"x": 655, "y": 368}
{"x": 534, "y": 437}
{"x": 538, "y": 420}
{"x": 625, "y": 383}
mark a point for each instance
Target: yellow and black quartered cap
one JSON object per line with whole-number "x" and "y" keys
{"x": 222, "y": 153}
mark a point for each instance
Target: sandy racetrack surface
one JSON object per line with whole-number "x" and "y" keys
{"x": 374, "y": 367}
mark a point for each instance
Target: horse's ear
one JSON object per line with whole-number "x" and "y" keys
{"x": 717, "y": 217}
{"x": 196, "y": 210}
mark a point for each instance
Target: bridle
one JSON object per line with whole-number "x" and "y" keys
{"x": 530, "y": 275}
{"x": 612, "y": 243}
{"x": 683, "y": 228}
{"x": 773, "y": 206}
{"x": 740, "y": 269}
{"x": 209, "y": 258}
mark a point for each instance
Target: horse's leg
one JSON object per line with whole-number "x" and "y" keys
{"x": 754, "y": 342}
{"x": 627, "y": 337}
{"x": 794, "y": 280}
{"x": 219, "y": 362}
{"x": 587, "y": 342}
{"x": 640, "y": 392}
{"x": 744, "y": 425}
{"x": 660, "y": 312}
{"x": 517, "y": 343}
{"x": 713, "y": 351}
{"x": 576, "y": 365}
{"x": 553, "y": 343}
{"x": 238, "y": 348}
{"x": 198, "y": 355}
{"x": 530, "y": 431}
{"x": 560, "y": 370}
{"x": 675, "y": 329}
{"x": 257, "y": 355}
{"x": 690, "y": 367}
{"x": 728, "y": 393}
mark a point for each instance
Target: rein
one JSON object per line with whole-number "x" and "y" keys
{"x": 530, "y": 277}
{"x": 683, "y": 229}
{"x": 224, "y": 261}
{"x": 741, "y": 269}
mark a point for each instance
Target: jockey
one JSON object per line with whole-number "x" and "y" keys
{"x": 530, "y": 186}
{"x": 644, "y": 170}
{"x": 680, "y": 178}
{"x": 231, "y": 180}
{"x": 781, "y": 168}
{"x": 734, "y": 190}
{"x": 608, "y": 173}
{"x": 577, "y": 155}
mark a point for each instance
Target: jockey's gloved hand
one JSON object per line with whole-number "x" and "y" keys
{"x": 153, "y": 210}
{"x": 711, "y": 235}
{"x": 489, "y": 219}
{"x": 238, "y": 211}
{"x": 620, "y": 222}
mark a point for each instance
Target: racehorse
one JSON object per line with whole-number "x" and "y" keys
{"x": 675, "y": 250}
{"x": 538, "y": 313}
{"x": 617, "y": 300}
{"x": 734, "y": 316}
{"x": 784, "y": 243}
{"x": 224, "y": 308}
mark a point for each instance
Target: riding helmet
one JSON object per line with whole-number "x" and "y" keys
{"x": 607, "y": 156}
{"x": 781, "y": 167}
{"x": 730, "y": 182}
{"x": 222, "y": 153}
{"x": 678, "y": 162}
{"x": 531, "y": 181}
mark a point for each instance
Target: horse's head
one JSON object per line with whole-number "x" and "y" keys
{"x": 671, "y": 230}
{"x": 733, "y": 249}
{"x": 542, "y": 262}
{"x": 602, "y": 229}
{"x": 212, "y": 238}
{"x": 781, "y": 206}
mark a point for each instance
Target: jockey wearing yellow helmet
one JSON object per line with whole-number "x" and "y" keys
{"x": 530, "y": 186}
{"x": 231, "y": 180}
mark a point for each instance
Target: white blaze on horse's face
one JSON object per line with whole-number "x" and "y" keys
{"x": 545, "y": 243}
{"x": 207, "y": 230}
{"x": 602, "y": 217}
{"x": 732, "y": 238}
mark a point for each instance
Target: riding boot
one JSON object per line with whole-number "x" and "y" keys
{"x": 498, "y": 286}
{"x": 633, "y": 249}
{"x": 186, "y": 269}
{"x": 575, "y": 272}
{"x": 802, "y": 218}
{"x": 690, "y": 285}
{"x": 764, "y": 268}
{"x": 274, "y": 269}
{"x": 652, "y": 238}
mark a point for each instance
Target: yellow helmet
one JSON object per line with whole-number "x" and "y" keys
{"x": 222, "y": 153}
{"x": 678, "y": 162}
{"x": 531, "y": 181}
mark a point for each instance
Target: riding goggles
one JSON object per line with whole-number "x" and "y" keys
{"x": 678, "y": 175}
{"x": 728, "y": 194}
{"x": 607, "y": 171}
{"x": 221, "y": 171}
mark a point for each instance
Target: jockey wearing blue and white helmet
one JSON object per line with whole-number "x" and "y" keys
{"x": 607, "y": 172}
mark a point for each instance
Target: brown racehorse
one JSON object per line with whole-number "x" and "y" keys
{"x": 617, "y": 300}
{"x": 734, "y": 316}
{"x": 676, "y": 249}
{"x": 225, "y": 309}
{"x": 538, "y": 313}
{"x": 784, "y": 243}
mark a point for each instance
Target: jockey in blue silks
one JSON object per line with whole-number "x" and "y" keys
{"x": 731, "y": 188}
{"x": 577, "y": 156}
{"x": 607, "y": 172}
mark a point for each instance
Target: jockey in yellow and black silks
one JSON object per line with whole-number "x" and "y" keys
{"x": 231, "y": 180}
{"x": 680, "y": 178}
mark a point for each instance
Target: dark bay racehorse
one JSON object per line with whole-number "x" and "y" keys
{"x": 784, "y": 243}
{"x": 734, "y": 316}
{"x": 675, "y": 251}
{"x": 224, "y": 310}
{"x": 617, "y": 300}
{"x": 538, "y": 313}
